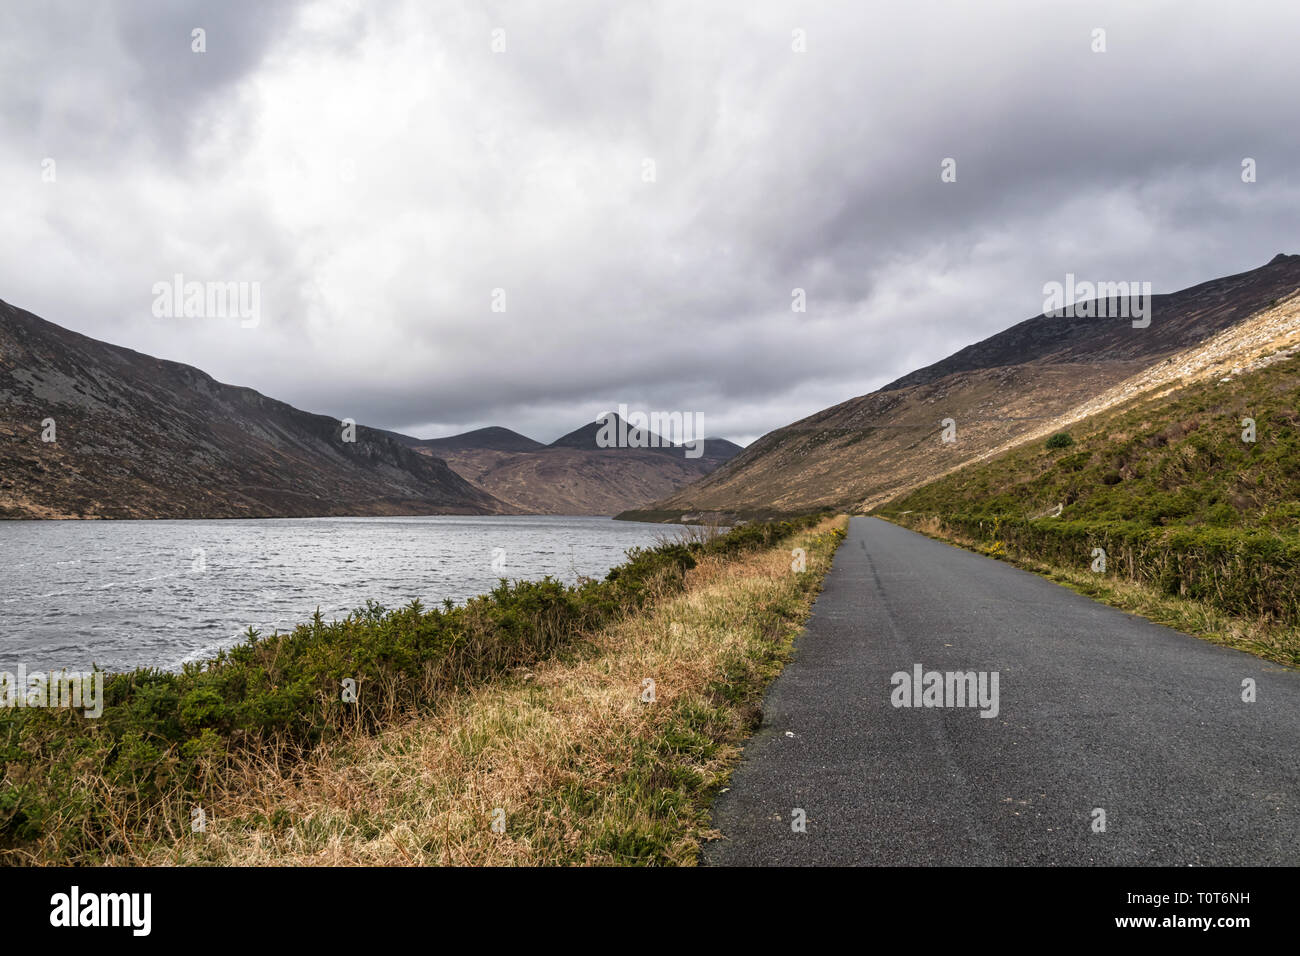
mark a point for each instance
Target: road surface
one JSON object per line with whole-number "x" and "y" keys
{"x": 1097, "y": 710}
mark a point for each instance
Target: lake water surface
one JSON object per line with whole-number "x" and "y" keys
{"x": 123, "y": 594}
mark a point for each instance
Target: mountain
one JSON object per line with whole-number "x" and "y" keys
{"x": 492, "y": 438}
{"x": 715, "y": 450}
{"x": 573, "y": 474}
{"x": 1023, "y": 381}
{"x": 140, "y": 437}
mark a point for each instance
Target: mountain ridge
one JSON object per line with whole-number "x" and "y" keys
{"x": 136, "y": 436}
{"x": 574, "y": 474}
{"x": 493, "y": 437}
{"x": 865, "y": 450}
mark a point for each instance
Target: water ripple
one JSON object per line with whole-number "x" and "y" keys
{"x": 130, "y": 596}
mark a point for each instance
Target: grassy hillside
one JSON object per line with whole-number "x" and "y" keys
{"x": 1155, "y": 462}
{"x": 1165, "y": 486}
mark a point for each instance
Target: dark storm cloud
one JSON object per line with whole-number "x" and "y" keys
{"x": 382, "y": 171}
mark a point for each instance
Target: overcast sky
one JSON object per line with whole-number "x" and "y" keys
{"x": 647, "y": 182}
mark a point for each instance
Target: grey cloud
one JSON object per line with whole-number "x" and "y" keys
{"x": 522, "y": 170}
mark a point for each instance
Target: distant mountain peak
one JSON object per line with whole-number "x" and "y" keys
{"x": 587, "y": 436}
{"x": 491, "y": 438}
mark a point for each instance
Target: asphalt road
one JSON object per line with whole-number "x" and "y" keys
{"x": 1097, "y": 710}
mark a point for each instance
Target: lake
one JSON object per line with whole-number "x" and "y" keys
{"x": 125, "y": 594}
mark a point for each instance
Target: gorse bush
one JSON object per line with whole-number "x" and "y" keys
{"x": 1060, "y": 440}
{"x": 86, "y": 783}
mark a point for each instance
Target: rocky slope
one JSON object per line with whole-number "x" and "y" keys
{"x": 139, "y": 437}
{"x": 1024, "y": 381}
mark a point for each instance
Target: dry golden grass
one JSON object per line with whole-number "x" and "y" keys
{"x": 581, "y": 769}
